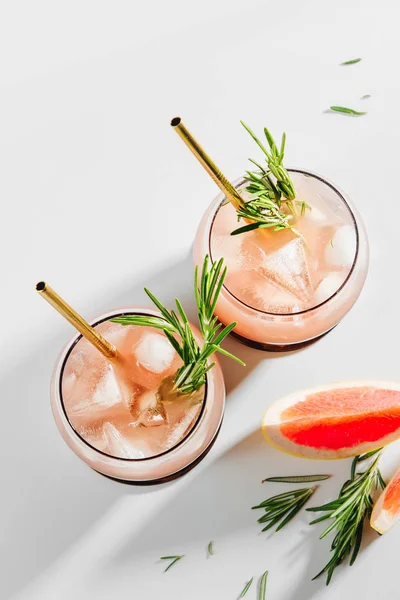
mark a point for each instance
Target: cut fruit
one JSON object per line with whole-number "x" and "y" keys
{"x": 335, "y": 421}
{"x": 386, "y": 512}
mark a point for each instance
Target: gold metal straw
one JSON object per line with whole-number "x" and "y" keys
{"x": 222, "y": 182}
{"x": 77, "y": 321}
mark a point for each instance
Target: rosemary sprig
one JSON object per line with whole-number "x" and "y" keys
{"x": 263, "y": 586}
{"x": 347, "y": 111}
{"x": 297, "y": 479}
{"x": 271, "y": 188}
{"x": 353, "y": 61}
{"x": 283, "y": 507}
{"x": 246, "y": 588}
{"x": 274, "y": 159}
{"x": 348, "y": 511}
{"x": 174, "y": 560}
{"x": 210, "y": 549}
{"x": 191, "y": 376}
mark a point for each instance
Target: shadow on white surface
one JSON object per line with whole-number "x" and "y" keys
{"x": 216, "y": 506}
{"x": 48, "y": 486}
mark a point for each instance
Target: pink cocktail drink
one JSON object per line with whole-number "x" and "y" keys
{"x": 142, "y": 432}
{"x": 287, "y": 288}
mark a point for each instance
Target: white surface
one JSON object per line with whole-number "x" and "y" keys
{"x": 100, "y": 197}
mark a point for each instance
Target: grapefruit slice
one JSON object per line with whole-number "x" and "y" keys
{"x": 386, "y": 511}
{"x": 335, "y": 421}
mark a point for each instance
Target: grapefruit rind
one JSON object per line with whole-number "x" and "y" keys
{"x": 272, "y": 422}
{"x": 383, "y": 519}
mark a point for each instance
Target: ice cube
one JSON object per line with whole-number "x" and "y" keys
{"x": 281, "y": 302}
{"x": 68, "y": 384}
{"x": 94, "y": 436}
{"x": 256, "y": 290}
{"x": 129, "y": 389}
{"x": 179, "y": 430}
{"x": 120, "y": 446}
{"x": 320, "y": 212}
{"x": 113, "y": 332}
{"x": 107, "y": 392}
{"x": 317, "y": 216}
{"x": 148, "y": 410}
{"x": 97, "y": 395}
{"x": 288, "y": 269}
{"x": 154, "y": 352}
{"x": 72, "y": 374}
{"x": 340, "y": 251}
{"x": 238, "y": 251}
{"x": 328, "y": 286}
{"x": 77, "y": 363}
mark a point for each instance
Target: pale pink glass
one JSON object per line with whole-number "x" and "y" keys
{"x": 162, "y": 467}
{"x": 280, "y": 332}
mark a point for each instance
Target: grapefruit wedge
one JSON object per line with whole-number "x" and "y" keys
{"x": 335, "y": 421}
{"x": 386, "y": 511}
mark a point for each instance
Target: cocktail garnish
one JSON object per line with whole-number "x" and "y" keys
{"x": 191, "y": 376}
{"x": 349, "y": 511}
{"x": 271, "y": 188}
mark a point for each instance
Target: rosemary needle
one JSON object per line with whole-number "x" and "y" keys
{"x": 246, "y": 588}
{"x": 297, "y": 479}
{"x": 353, "y": 61}
{"x": 210, "y": 548}
{"x": 263, "y": 586}
{"x": 174, "y": 560}
{"x": 347, "y": 111}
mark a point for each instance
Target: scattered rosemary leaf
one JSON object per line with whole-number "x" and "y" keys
{"x": 365, "y": 97}
{"x": 331, "y": 243}
{"x": 353, "y": 61}
{"x": 210, "y": 549}
{"x": 297, "y": 478}
{"x": 283, "y": 507}
{"x": 263, "y": 586}
{"x": 349, "y": 511}
{"x": 347, "y": 111}
{"x": 246, "y": 588}
{"x": 174, "y": 559}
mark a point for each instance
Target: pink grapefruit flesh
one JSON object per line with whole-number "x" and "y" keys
{"x": 335, "y": 421}
{"x": 386, "y": 512}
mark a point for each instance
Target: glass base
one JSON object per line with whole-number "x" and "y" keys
{"x": 277, "y": 347}
{"x": 169, "y": 477}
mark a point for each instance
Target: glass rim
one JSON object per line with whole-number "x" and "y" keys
{"x": 239, "y": 182}
{"x": 67, "y": 354}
